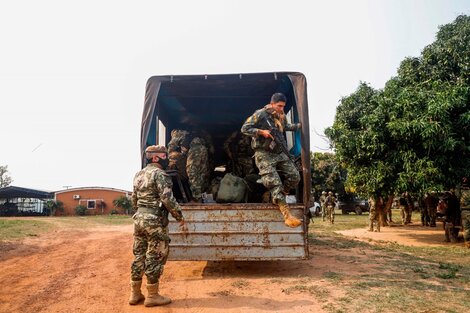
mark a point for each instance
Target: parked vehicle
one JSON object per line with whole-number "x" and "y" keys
{"x": 218, "y": 105}
{"x": 353, "y": 204}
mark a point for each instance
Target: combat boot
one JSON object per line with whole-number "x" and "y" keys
{"x": 154, "y": 298}
{"x": 467, "y": 244}
{"x": 289, "y": 220}
{"x": 136, "y": 294}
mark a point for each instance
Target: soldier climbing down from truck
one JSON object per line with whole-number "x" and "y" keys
{"x": 271, "y": 158}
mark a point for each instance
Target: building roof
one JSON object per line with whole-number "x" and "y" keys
{"x": 12, "y": 192}
{"x": 92, "y": 188}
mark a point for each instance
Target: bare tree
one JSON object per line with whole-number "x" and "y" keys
{"x": 5, "y": 179}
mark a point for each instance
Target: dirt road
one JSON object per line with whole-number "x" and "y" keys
{"x": 88, "y": 271}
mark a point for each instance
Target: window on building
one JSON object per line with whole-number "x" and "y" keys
{"x": 91, "y": 204}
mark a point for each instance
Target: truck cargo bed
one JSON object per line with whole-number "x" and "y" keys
{"x": 248, "y": 231}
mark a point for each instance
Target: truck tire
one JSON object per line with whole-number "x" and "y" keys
{"x": 344, "y": 212}
{"x": 358, "y": 210}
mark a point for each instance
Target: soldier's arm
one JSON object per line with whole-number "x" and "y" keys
{"x": 291, "y": 127}
{"x": 249, "y": 128}
{"x": 134, "y": 198}
{"x": 165, "y": 186}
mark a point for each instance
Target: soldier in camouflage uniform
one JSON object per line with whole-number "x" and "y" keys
{"x": 374, "y": 223}
{"x": 270, "y": 159}
{"x": 323, "y": 205}
{"x": 197, "y": 168}
{"x": 330, "y": 203}
{"x": 153, "y": 199}
{"x": 238, "y": 148}
{"x": 178, "y": 147}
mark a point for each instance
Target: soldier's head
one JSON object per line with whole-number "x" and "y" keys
{"x": 278, "y": 102}
{"x": 330, "y": 193}
{"x": 157, "y": 154}
{"x": 323, "y": 192}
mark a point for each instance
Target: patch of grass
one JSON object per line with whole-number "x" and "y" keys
{"x": 15, "y": 229}
{"x": 320, "y": 293}
{"x": 240, "y": 284}
{"x": 333, "y": 276}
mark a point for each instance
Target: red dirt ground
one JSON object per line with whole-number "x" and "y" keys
{"x": 88, "y": 271}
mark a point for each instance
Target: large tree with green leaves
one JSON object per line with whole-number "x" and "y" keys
{"x": 415, "y": 133}
{"x": 327, "y": 173}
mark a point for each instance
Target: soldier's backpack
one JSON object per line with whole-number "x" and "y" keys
{"x": 231, "y": 189}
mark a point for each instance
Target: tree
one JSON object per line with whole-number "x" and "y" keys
{"x": 5, "y": 179}
{"x": 327, "y": 174}
{"x": 414, "y": 134}
{"x": 124, "y": 203}
{"x": 54, "y": 206}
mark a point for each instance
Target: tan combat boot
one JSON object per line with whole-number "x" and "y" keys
{"x": 136, "y": 294}
{"x": 289, "y": 220}
{"x": 467, "y": 244}
{"x": 154, "y": 298}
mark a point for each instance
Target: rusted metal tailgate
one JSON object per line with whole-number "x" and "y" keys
{"x": 253, "y": 231}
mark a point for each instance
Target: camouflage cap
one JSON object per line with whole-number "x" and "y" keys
{"x": 150, "y": 151}
{"x": 323, "y": 192}
{"x": 330, "y": 193}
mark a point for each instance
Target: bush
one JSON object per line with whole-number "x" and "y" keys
{"x": 80, "y": 210}
{"x": 114, "y": 211}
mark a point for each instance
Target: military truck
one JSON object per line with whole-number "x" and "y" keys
{"x": 219, "y": 105}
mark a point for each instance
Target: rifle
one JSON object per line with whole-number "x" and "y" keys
{"x": 280, "y": 142}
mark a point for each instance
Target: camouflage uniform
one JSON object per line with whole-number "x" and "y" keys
{"x": 323, "y": 205}
{"x": 431, "y": 202}
{"x": 330, "y": 203}
{"x": 271, "y": 161}
{"x": 178, "y": 147}
{"x": 197, "y": 168}
{"x": 152, "y": 189}
{"x": 238, "y": 147}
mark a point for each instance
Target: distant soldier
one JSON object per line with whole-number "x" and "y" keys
{"x": 323, "y": 205}
{"x": 423, "y": 209}
{"x": 197, "y": 168}
{"x": 330, "y": 203}
{"x": 153, "y": 199}
{"x": 431, "y": 202}
{"x": 403, "y": 209}
{"x": 238, "y": 148}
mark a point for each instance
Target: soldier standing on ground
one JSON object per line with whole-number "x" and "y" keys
{"x": 323, "y": 205}
{"x": 153, "y": 199}
{"x": 431, "y": 202}
{"x": 270, "y": 157}
{"x": 330, "y": 203}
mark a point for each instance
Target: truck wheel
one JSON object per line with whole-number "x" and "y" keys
{"x": 344, "y": 212}
{"x": 358, "y": 210}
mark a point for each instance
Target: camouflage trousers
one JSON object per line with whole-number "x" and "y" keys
{"x": 374, "y": 224}
{"x": 197, "y": 168}
{"x": 330, "y": 211}
{"x": 272, "y": 167}
{"x": 323, "y": 211}
{"x": 243, "y": 166}
{"x": 151, "y": 247}
{"x": 466, "y": 226}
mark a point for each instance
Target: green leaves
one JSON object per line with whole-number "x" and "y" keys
{"x": 415, "y": 133}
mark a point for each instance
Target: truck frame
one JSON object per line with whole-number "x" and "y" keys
{"x": 219, "y": 104}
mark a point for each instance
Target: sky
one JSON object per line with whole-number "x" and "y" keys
{"x": 73, "y": 73}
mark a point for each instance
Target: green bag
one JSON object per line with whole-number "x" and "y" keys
{"x": 232, "y": 189}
